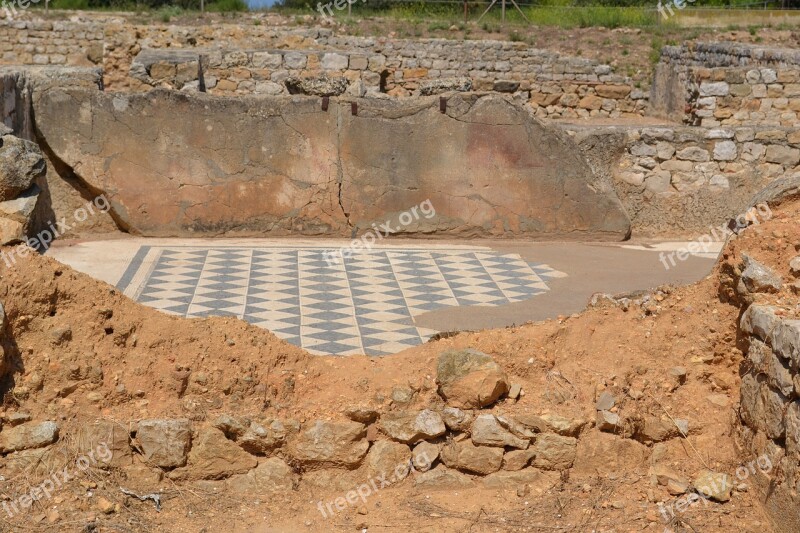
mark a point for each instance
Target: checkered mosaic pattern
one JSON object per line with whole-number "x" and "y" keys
{"x": 364, "y": 305}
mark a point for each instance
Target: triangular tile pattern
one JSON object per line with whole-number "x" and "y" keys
{"x": 326, "y": 306}
{"x": 384, "y": 320}
{"x": 365, "y": 304}
{"x": 222, "y": 288}
{"x": 273, "y": 299}
{"x": 173, "y": 281}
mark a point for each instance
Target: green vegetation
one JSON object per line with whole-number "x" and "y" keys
{"x": 164, "y": 9}
{"x": 442, "y": 17}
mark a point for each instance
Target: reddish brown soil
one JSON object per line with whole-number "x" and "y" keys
{"x": 82, "y": 351}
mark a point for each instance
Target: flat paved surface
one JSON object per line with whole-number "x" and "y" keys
{"x": 381, "y": 300}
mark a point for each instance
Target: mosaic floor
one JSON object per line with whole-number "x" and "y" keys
{"x": 366, "y": 304}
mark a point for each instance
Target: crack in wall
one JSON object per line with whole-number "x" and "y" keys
{"x": 339, "y": 167}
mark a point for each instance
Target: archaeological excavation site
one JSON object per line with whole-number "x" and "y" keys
{"x": 279, "y": 272}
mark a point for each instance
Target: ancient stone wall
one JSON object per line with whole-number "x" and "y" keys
{"x": 770, "y": 409}
{"x": 686, "y": 179}
{"x": 123, "y": 42}
{"x": 58, "y": 193}
{"x": 714, "y": 84}
{"x": 40, "y": 42}
{"x": 556, "y": 86}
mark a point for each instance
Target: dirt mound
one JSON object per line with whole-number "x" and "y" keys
{"x": 618, "y": 411}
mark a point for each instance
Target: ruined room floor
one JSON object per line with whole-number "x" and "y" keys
{"x": 378, "y": 301}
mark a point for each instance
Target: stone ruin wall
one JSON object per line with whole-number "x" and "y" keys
{"x": 702, "y": 84}
{"x": 769, "y": 409}
{"x": 40, "y": 42}
{"x": 256, "y": 60}
{"x": 685, "y": 179}
{"x": 726, "y": 84}
{"x": 555, "y": 86}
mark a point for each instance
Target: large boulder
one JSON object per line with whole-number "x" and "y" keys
{"x": 488, "y": 431}
{"x": 330, "y": 444}
{"x": 261, "y": 439}
{"x": 16, "y": 215}
{"x": 443, "y": 478}
{"x": 758, "y": 277}
{"x": 470, "y": 379}
{"x": 164, "y": 442}
{"x": 467, "y": 457}
{"x": 213, "y": 456}
{"x": 389, "y": 460}
{"x": 11, "y": 231}
{"x": 555, "y": 452}
{"x": 21, "y": 163}
{"x": 411, "y": 427}
{"x": 28, "y": 436}
{"x": 107, "y": 435}
{"x": 271, "y": 475}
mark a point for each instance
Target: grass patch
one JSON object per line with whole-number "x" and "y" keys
{"x": 441, "y": 17}
{"x": 591, "y": 16}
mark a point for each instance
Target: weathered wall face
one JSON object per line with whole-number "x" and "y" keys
{"x": 180, "y": 164}
{"x": 727, "y": 84}
{"x": 123, "y": 42}
{"x": 60, "y": 193}
{"x": 682, "y": 179}
{"x": 174, "y": 164}
{"x": 486, "y": 166}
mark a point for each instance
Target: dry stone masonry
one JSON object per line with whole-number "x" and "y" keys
{"x": 40, "y": 42}
{"x": 770, "y": 409}
{"x": 729, "y": 84}
{"x": 144, "y": 57}
{"x": 442, "y": 446}
{"x": 555, "y": 86}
